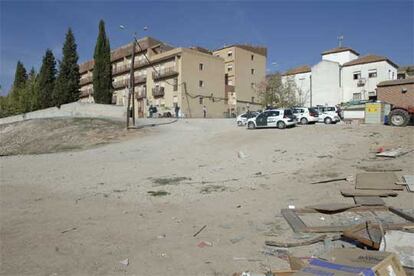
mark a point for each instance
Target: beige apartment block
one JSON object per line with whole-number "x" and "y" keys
{"x": 192, "y": 78}
{"x": 245, "y": 68}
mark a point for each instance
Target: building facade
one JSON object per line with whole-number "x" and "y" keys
{"x": 342, "y": 76}
{"x": 301, "y": 76}
{"x": 193, "y": 79}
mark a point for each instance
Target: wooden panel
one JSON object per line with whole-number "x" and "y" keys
{"x": 369, "y": 200}
{"x": 382, "y": 193}
{"x": 294, "y": 221}
{"x": 377, "y": 181}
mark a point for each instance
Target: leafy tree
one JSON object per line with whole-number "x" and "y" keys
{"x": 43, "y": 97}
{"x": 67, "y": 83}
{"x": 28, "y": 92}
{"x": 4, "y": 106}
{"x": 102, "y": 71}
{"x": 274, "y": 92}
{"x": 14, "y": 98}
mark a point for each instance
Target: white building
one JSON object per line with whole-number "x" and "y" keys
{"x": 342, "y": 76}
{"x": 302, "y": 77}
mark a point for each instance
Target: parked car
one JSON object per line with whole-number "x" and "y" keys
{"x": 242, "y": 118}
{"x": 328, "y": 114}
{"x": 306, "y": 115}
{"x": 279, "y": 118}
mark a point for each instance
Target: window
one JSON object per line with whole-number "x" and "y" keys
{"x": 230, "y": 53}
{"x": 356, "y": 96}
{"x": 252, "y": 71}
{"x": 230, "y": 82}
{"x": 252, "y": 84}
{"x": 229, "y": 68}
{"x": 252, "y": 57}
{"x": 200, "y": 100}
{"x": 252, "y": 99}
{"x": 371, "y": 94}
{"x": 357, "y": 75}
{"x": 200, "y": 83}
{"x": 201, "y": 67}
{"x": 372, "y": 73}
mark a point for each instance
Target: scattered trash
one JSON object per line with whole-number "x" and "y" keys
{"x": 199, "y": 231}
{"x": 409, "y": 181}
{"x": 393, "y": 153}
{"x": 291, "y": 207}
{"x": 322, "y": 218}
{"x": 125, "y": 262}
{"x": 236, "y": 239}
{"x": 68, "y": 230}
{"x": 238, "y": 206}
{"x": 163, "y": 236}
{"x": 246, "y": 259}
{"x": 331, "y": 180}
{"x": 241, "y": 155}
{"x": 203, "y": 244}
{"x": 158, "y": 193}
{"x": 401, "y": 243}
{"x": 163, "y": 255}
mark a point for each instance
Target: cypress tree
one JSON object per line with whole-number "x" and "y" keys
{"x": 20, "y": 77}
{"x": 43, "y": 97}
{"x": 102, "y": 71}
{"x": 26, "y": 96}
{"x": 67, "y": 83}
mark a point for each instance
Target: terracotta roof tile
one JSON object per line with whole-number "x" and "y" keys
{"x": 297, "y": 70}
{"x": 369, "y": 59}
{"x": 338, "y": 50}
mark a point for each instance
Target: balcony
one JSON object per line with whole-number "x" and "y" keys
{"x": 158, "y": 92}
{"x": 85, "y": 80}
{"x": 164, "y": 73}
{"x": 140, "y": 79}
{"x": 141, "y": 94}
{"x": 120, "y": 84}
{"x": 125, "y": 68}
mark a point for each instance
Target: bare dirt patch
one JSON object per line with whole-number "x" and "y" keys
{"x": 57, "y": 135}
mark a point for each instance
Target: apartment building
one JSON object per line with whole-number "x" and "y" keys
{"x": 301, "y": 76}
{"x": 245, "y": 68}
{"x": 192, "y": 78}
{"x": 343, "y": 75}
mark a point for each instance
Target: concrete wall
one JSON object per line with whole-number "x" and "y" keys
{"x": 325, "y": 83}
{"x": 76, "y": 109}
{"x": 212, "y": 76}
{"x": 341, "y": 57}
{"x": 385, "y": 71}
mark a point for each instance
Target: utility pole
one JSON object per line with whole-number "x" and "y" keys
{"x": 131, "y": 89}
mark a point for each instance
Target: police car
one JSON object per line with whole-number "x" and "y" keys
{"x": 279, "y": 118}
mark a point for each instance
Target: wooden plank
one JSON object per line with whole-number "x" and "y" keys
{"x": 401, "y": 213}
{"x": 377, "y": 181}
{"x": 366, "y": 233}
{"x": 293, "y": 220}
{"x": 381, "y": 193}
{"x": 409, "y": 181}
{"x": 369, "y": 200}
{"x": 295, "y": 244}
{"x": 334, "y": 229}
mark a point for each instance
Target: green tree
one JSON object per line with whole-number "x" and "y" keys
{"x": 4, "y": 106}
{"x": 102, "y": 71}
{"x": 28, "y": 92}
{"x": 276, "y": 93}
{"x": 14, "y": 98}
{"x": 67, "y": 83}
{"x": 43, "y": 97}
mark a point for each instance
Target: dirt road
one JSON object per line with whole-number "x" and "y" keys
{"x": 82, "y": 212}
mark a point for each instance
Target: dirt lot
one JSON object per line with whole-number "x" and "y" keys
{"x": 82, "y": 212}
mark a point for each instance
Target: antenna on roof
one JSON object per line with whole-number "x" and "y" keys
{"x": 340, "y": 39}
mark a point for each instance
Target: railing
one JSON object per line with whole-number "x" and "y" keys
{"x": 164, "y": 73}
{"x": 158, "y": 91}
{"x": 120, "y": 84}
{"x": 125, "y": 68}
{"x": 140, "y": 94}
{"x": 86, "y": 80}
{"x": 140, "y": 79}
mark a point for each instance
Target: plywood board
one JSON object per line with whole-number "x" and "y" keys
{"x": 332, "y": 207}
{"x": 377, "y": 181}
{"x": 393, "y": 153}
{"x": 382, "y": 193}
{"x": 369, "y": 200}
{"x": 401, "y": 243}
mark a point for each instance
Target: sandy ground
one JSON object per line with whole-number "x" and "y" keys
{"x": 82, "y": 212}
